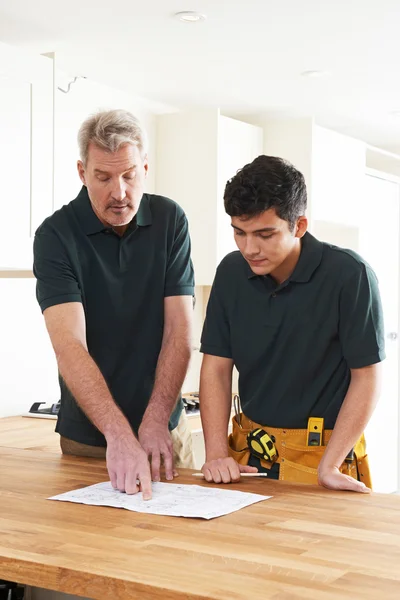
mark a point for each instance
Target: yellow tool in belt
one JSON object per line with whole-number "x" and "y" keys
{"x": 261, "y": 445}
{"x": 315, "y": 431}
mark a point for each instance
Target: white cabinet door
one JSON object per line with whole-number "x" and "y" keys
{"x": 197, "y": 152}
{"x": 338, "y": 173}
{"x": 26, "y": 151}
{"x": 239, "y": 144}
{"x": 379, "y": 245}
{"x": 186, "y": 171}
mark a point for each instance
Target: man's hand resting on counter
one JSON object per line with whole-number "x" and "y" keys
{"x": 224, "y": 470}
{"x": 333, "y": 479}
{"x": 127, "y": 463}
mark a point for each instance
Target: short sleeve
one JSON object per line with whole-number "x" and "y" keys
{"x": 361, "y": 328}
{"x": 179, "y": 279}
{"x": 56, "y": 282}
{"x": 215, "y": 338}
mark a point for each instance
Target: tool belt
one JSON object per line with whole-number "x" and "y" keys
{"x": 298, "y": 461}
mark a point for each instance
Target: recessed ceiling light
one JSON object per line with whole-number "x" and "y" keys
{"x": 190, "y": 16}
{"x": 313, "y": 74}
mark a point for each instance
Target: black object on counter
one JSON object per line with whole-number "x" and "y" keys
{"x": 51, "y": 410}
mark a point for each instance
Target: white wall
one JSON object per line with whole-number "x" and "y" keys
{"x": 338, "y": 182}
{"x": 239, "y": 144}
{"x": 345, "y": 236}
{"x": 84, "y": 98}
{"x": 292, "y": 139}
{"x": 187, "y": 171}
{"x": 28, "y": 366}
{"x": 197, "y": 152}
{"x": 383, "y": 161}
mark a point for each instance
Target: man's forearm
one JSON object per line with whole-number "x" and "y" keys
{"x": 356, "y": 411}
{"x": 90, "y": 390}
{"x": 172, "y": 367}
{"x": 215, "y": 405}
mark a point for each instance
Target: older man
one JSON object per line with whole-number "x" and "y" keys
{"x": 115, "y": 284}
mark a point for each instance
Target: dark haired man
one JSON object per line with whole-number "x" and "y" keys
{"x": 302, "y": 322}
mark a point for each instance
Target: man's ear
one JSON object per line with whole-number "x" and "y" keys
{"x": 301, "y": 226}
{"x": 146, "y": 165}
{"x": 81, "y": 172}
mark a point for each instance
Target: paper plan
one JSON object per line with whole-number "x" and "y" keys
{"x": 169, "y": 499}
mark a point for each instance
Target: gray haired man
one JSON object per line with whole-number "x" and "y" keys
{"x": 115, "y": 284}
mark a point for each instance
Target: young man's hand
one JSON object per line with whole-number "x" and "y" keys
{"x": 224, "y": 470}
{"x": 155, "y": 439}
{"x": 332, "y": 478}
{"x": 128, "y": 465}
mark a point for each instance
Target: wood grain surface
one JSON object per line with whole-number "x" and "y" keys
{"x": 32, "y": 433}
{"x": 29, "y": 433}
{"x": 305, "y": 543}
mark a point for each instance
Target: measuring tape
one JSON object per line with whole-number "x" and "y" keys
{"x": 261, "y": 445}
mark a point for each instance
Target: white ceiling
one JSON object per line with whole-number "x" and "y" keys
{"x": 246, "y": 57}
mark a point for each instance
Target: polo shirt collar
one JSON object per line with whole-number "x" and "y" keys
{"x": 144, "y": 216}
{"x": 309, "y": 260}
{"x": 91, "y": 223}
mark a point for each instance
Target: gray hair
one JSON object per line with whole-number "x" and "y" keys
{"x": 110, "y": 130}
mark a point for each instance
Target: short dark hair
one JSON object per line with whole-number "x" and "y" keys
{"x": 267, "y": 182}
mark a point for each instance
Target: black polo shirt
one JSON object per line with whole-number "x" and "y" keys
{"x": 122, "y": 283}
{"x": 295, "y": 343}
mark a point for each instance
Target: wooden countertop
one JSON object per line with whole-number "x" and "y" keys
{"x": 29, "y": 433}
{"x": 11, "y": 273}
{"x": 305, "y": 543}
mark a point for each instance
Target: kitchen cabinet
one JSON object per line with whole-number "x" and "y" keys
{"x": 338, "y": 182}
{"x": 26, "y": 151}
{"x": 197, "y": 152}
{"x": 333, "y": 165}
